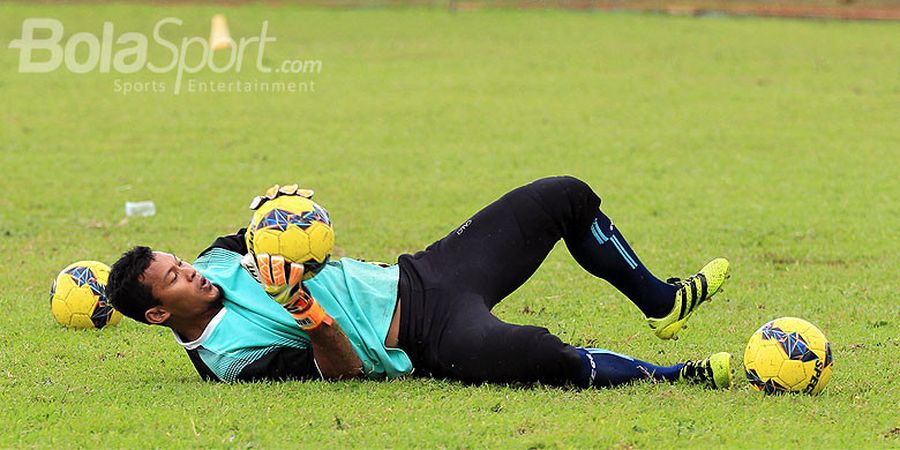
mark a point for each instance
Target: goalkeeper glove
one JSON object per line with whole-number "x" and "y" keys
{"x": 276, "y": 191}
{"x": 283, "y": 282}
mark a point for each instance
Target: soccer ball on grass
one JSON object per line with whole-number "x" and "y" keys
{"x": 78, "y": 296}
{"x": 788, "y": 355}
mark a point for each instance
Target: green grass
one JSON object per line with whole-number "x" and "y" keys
{"x": 771, "y": 142}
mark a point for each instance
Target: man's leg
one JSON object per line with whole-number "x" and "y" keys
{"x": 610, "y": 369}
{"x": 502, "y": 245}
{"x": 478, "y": 347}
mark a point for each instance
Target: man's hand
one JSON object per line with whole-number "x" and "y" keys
{"x": 276, "y": 191}
{"x": 283, "y": 282}
{"x": 280, "y": 278}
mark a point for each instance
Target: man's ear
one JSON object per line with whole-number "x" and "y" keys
{"x": 156, "y": 315}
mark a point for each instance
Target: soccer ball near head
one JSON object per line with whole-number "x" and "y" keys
{"x": 788, "y": 355}
{"x": 78, "y": 296}
{"x": 294, "y": 227}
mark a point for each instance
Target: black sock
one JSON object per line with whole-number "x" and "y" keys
{"x": 603, "y": 252}
{"x": 603, "y": 368}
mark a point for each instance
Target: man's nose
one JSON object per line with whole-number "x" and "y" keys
{"x": 189, "y": 272}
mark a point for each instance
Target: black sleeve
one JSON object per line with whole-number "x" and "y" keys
{"x": 205, "y": 373}
{"x": 234, "y": 242}
{"x": 283, "y": 363}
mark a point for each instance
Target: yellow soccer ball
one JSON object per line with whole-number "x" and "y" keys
{"x": 78, "y": 296}
{"x": 788, "y": 355}
{"x": 294, "y": 227}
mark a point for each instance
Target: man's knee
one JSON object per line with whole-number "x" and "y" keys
{"x": 564, "y": 188}
{"x": 569, "y": 200}
{"x": 569, "y": 183}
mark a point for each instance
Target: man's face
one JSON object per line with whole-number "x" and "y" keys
{"x": 183, "y": 293}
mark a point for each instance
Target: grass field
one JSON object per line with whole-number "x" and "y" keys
{"x": 771, "y": 142}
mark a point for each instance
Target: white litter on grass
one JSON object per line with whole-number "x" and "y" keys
{"x": 140, "y": 209}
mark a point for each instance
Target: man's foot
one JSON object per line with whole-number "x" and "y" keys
{"x": 714, "y": 372}
{"x": 691, "y": 293}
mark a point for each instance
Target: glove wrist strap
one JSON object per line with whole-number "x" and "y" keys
{"x": 312, "y": 317}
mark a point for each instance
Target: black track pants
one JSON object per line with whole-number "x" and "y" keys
{"x": 448, "y": 290}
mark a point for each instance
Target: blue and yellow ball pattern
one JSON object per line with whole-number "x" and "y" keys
{"x": 294, "y": 227}
{"x": 788, "y": 355}
{"x": 78, "y": 296}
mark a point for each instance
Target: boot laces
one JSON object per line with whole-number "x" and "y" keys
{"x": 699, "y": 371}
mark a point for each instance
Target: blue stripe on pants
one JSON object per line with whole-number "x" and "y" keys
{"x": 595, "y": 229}
{"x": 625, "y": 254}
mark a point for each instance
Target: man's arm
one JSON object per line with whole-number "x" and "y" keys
{"x": 333, "y": 352}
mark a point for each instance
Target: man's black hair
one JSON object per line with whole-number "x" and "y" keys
{"x": 124, "y": 288}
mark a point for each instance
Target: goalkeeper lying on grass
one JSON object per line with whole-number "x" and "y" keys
{"x": 429, "y": 314}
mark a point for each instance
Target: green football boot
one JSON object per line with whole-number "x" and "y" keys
{"x": 713, "y": 372}
{"x": 691, "y": 293}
